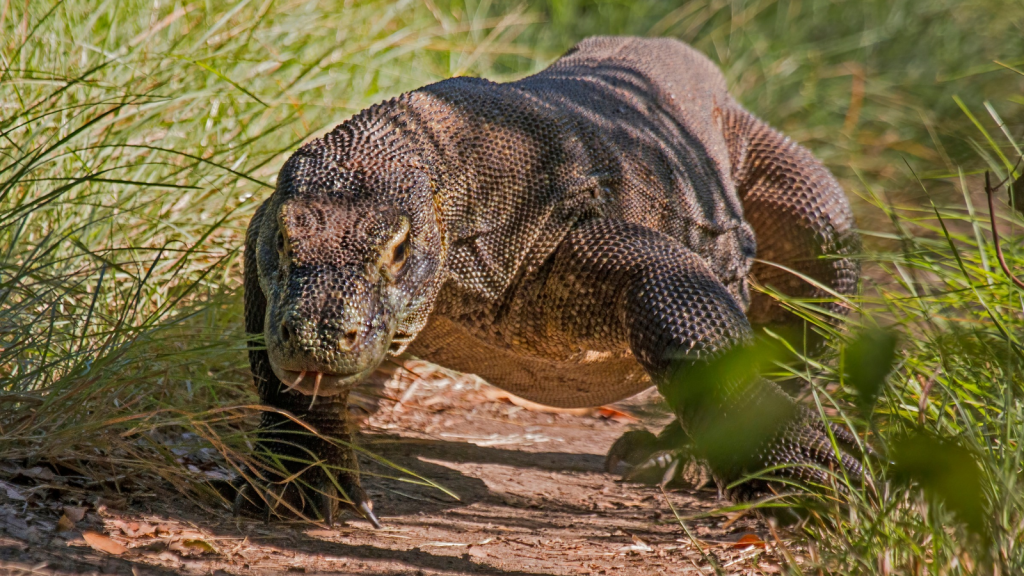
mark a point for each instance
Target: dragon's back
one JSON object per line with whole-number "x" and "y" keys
{"x": 652, "y": 111}
{"x": 620, "y": 128}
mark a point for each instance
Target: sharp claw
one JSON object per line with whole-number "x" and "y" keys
{"x": 366, "y": 509}
{"x": 670, "y": 474}
{"x": 327, "y": 509}
{"x": 610, "y": 463}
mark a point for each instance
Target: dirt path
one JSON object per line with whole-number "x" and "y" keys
{"x": 533, "y": 499}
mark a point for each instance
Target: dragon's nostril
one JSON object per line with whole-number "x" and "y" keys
{"x": 286, "y": 333}
{"x": 350, "y": 336}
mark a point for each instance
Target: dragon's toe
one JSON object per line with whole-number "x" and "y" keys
{"x": 662, "y": 459}
{"x": 314, "y": 498}
{"x": 821, "y": 456}
{"x": 284, "y": 483}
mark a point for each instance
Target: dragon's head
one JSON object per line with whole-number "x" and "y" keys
{"x": 349, "y": 256}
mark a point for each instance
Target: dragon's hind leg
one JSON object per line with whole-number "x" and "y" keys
{"x": 806, "y": 239}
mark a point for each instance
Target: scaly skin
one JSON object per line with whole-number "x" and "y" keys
{"x": 572, "y": 237}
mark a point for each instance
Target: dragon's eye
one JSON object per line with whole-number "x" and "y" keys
{"x": 281, "y": 243}
{"x": 399, "y": 254}
{"x": 395, "y": 253}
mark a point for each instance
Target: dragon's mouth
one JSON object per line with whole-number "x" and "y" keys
{"x": 312, "y": 383}
{"x": 399, "y": 343}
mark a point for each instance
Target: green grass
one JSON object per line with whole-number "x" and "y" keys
{"x": 136, "y": 139}
{"x": 136, "y": 145}
{"x": 949, "y": 421}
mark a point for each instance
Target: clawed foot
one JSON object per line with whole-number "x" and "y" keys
{"x": 662, "y": 459}
{"x": 303, "y": 490}
{"x": 803, "y": 445}
{"x": 299, "y": 499}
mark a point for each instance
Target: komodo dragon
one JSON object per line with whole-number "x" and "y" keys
{"x": 571, "y": 237}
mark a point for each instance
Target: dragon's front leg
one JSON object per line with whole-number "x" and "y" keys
{"x": 625, "y": 283}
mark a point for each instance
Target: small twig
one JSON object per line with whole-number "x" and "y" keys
{"x": 696, "y": 544}
{"x": 995, "y": 231}
{"x": 782, "y": 546}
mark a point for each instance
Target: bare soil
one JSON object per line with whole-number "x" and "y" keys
{"x": 533, "y": 498}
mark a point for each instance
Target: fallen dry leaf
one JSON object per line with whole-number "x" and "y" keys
{"x": 12, "y": 492}
{"x": 639, "y": 545}
{"x": 749, "y": 539}
{"x": 65, "y": 523}
{"x": 75, "y": 513}
{"x": 37, "y": 473}
{"x": 103, "y": 543}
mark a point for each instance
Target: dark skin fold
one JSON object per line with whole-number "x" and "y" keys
{"x": 572, "y": 237}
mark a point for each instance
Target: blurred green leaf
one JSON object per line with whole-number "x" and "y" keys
{"x": 868, "y": 360}
{"x": 1016, "y": 191}
{"x": 730, "y": 408}
{"x": 948, "y": 473}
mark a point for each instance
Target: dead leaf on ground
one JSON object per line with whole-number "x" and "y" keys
{"x": 103, "y": 543}
{"x": 749, "y": 539}
{"x": 37, "y": 473}
{"x": 65, "y": 524}
{"x": 75, "y": 513}
{"x": 12, "y": 492}
{"x": 135, "y": 529}
{"x": 639, "y": 545}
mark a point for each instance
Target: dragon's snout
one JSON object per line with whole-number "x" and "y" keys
{"x": 328, "y": 331}
{"x": 330, "y": 338}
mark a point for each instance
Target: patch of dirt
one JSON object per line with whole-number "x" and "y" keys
{"x": 533, "y": 498}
